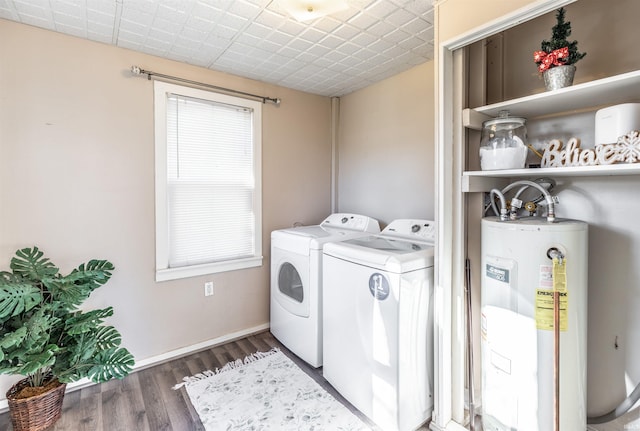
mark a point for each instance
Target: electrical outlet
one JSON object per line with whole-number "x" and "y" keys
{"x": 208, "y": 288}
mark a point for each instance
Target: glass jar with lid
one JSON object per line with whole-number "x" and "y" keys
{"x": 503, "y": 144}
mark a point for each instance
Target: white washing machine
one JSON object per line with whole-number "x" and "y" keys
{"x": 378, "y": 323}
{"x": 296, "y": 280}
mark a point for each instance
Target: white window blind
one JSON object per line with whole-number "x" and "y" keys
{"x": 211, "y": 195}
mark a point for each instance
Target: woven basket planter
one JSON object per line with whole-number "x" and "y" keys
{"x": 35, "y": 413}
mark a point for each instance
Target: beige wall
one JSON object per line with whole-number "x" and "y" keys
{"x": 608, "y": 33}
{"x": 386, "y": 148}
{"x": 457, "y": 17}
{"x": 77, "y": 180}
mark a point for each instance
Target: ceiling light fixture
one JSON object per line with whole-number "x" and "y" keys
{"x": 306, "y": 10}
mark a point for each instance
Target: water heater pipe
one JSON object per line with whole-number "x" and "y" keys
{"x": 551, "y": 212}
{"x": 470, "y": 367}
{"x": 622, "y": 408}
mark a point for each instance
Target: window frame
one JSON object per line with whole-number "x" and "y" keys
{"x": 163, "y": 271}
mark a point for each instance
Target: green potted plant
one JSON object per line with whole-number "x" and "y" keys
{"x": 557, "y": 57}
{"x": 45, "y": 337}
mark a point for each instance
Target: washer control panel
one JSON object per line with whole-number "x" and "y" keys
{"x": 421, "y": 230}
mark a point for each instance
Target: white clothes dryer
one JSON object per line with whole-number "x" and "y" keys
{"x": 296, "y": 280}
{"x": 378, "y": 323}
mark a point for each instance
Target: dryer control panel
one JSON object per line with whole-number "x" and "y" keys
{"x": 420, "y": 230}
{"x": 352, "y": 221}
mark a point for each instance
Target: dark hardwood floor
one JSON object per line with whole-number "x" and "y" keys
{"x": 145, "y": 400}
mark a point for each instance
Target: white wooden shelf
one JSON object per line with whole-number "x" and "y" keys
{"x": 613, "y": 90}
{"x": 483, "y": 181}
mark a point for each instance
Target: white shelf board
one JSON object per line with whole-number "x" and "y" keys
{"x": 613, "y": 90}
{"x": 572, "y": 171}
{"x": 483, "y": 181}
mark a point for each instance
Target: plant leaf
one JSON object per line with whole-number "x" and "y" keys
{"x": 107, "y": 337}
{"x": 16, "y": 297}
{"x": 84, "y": 322}
{"x": 34, "y": 362}
{"x": 111, "y": 363}
{"x": 30, "y": 263}
{"x": 13, "y": 338}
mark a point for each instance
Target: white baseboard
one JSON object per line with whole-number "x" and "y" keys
{"x": 158, "y": 359}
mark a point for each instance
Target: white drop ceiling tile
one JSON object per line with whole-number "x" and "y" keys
{"x": 167, "y": 26}
{"x": 146, "y": 6}
{"x": 206, "y": 11}
{"x": 380, "y": 46}
{"x": 352, "y": 62}
{"x": 348, "y": 48}
{"x": 244, "y": 8}
{"x": 324, "y": 62}
{"x": 380, "y": 8}
{"x": 327, "y": 24}
{"x": 270, "y": 19}
{"x": 127, "y": 44}
{"x": 426, "y": 34}
{"x": 416, "y": 26}
{"x": 101, "y": 6}
{"x": 234, "y": 22}
{"x": 313, "y": 35}
{"x": 411, "y": 43}
{"x": 400, "y": 17}
{"x": 37, "y": 21}
{"x": 68, "y": 8}
{"x": 174, "y": 11}
{"x": 291, "y": 27}
{"x": 346, "y": 31}
{"x": 64, "y": 20}
{"x": 71, "y": 30}
{"x": 396, "y": 36}
{"x": 319, "y": 50}
{"x": 126, "y": 37}
{"x": 363, "y": 39}
{"x": 136, "y": 18}
{"x": 36, "y": 10}
{"x": 269, "y": 46}
{"x": 395, "y": 51}
{"x": 381, "y": 28}
{"x": 334, "y": 56}
{"x": 9, "y": 13}
{"x": 300, "y": 44}
{"x": 307, "y": 57}
{"x": 428, "y": 16}
{"x": 258, "y": 30}
{"x": 332, "y": 42}
{"x": 364, "y": 54}
{"x": 278, "y": 37}
{"x": 199, "y": 24}
{"x": 289, "y": 52}
{"x": 161, "y": 35}
{"x": 97, "y": 36}
{"x": 248, "y": 39}
{"x": 158, "y": 45}
{"x": 193, "y": 34}
{"x": 363, "y": 20}
{"x": 100, "y": 18}
{"x": 224, "y": 32}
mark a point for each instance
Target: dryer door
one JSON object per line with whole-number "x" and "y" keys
{"x": 290, "y": 282}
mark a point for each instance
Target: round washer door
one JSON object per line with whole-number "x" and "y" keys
{"x": 291, "y": 284}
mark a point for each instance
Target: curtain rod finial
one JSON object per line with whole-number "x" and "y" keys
{"x": 136, "y": 70}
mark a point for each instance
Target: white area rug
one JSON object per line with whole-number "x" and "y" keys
{"x": 266, "y": 391}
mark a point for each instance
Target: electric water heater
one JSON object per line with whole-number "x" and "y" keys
{"x": 518, "y": 281}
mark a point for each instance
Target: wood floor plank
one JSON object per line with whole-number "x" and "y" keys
{"x": 157, "y": 414}
{"x": 145, "y": 400}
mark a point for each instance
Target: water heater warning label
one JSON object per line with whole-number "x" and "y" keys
{"x": 544, "y": 309}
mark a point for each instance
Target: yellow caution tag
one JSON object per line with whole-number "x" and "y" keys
{"x": 544, "y": 299}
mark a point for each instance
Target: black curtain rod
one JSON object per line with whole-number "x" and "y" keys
{"x": 136, "y": 70}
